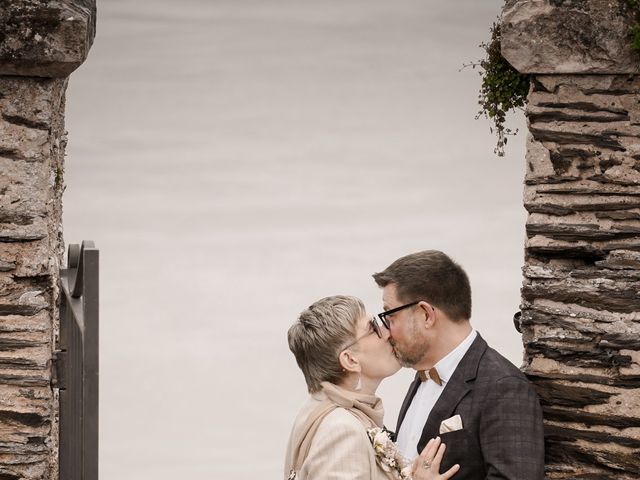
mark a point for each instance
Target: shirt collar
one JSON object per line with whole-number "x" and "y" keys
{"x": 447, "y": 365}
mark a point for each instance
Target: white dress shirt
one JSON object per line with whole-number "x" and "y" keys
{"x": 426, "y": 397}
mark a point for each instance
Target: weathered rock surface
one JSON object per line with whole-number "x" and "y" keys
{"x": 569, "y": 36}
{"x": 45, "y": 38}
{"x": 580, "y": 312}
{"x": 32, "y": 141}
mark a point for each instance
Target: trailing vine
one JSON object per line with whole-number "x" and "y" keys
{"x": 503, "y": 89}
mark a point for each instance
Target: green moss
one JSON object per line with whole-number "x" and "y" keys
{"x": 59, "y": 177}
{"x": 635, "y": 38}
{"x": 503, "y": 89}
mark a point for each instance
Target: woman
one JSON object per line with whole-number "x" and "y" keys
{"x": 344, "y": 355}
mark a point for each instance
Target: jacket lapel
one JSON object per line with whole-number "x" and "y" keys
{"x": 413, "y": 388}
{"x": 457, "y": 387}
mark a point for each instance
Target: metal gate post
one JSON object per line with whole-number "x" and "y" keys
{"x": 77, "y": 362}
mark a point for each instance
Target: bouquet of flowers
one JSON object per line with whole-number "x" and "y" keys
{"x": 387, "y": 454}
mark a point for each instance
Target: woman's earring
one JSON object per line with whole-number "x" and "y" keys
{"x": 359, "y": 384}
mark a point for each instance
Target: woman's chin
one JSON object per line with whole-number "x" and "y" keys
{"x": 395, "y": 366}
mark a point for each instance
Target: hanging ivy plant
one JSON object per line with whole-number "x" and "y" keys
{"x": 503, "y": 89}
{"x": 635, "y": 30}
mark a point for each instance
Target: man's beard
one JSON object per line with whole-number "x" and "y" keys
{"x": 408, "y": 357}
{"x": 412, "y": 353}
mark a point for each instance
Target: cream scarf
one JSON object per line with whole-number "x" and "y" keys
{"x": 367, "y": 408}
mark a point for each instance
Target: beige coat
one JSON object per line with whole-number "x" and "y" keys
{"x": 340, "y": 449}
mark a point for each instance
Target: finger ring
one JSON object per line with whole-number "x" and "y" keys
{"x": 426, "y": 465}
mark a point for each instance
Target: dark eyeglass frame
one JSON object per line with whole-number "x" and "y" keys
{"x": 382, "y": 316}
{"x": 375, "y": 328}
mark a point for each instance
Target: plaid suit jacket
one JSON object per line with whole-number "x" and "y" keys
{"x": 502, "y": 435}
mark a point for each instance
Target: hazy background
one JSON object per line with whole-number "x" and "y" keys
{"x": 236, "y": 160}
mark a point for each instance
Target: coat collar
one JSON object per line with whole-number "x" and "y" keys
{"x": 456, "y": 388}
{"x": 459, "y": 385}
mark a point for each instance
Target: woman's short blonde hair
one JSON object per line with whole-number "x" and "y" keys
{"x": 319, "y": 335}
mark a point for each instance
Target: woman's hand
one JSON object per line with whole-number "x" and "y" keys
{"x": 427, "y": 465}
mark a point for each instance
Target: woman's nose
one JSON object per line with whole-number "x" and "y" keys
{"x": 386, "y": 333}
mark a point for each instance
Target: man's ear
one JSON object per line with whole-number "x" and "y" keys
{"x": 349, "y": 362}
{"x": 429, "y": 313}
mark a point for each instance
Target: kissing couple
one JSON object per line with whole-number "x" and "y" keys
{"x": 469, "y": 413}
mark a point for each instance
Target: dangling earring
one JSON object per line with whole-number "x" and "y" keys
{"x": 359, "y": 384}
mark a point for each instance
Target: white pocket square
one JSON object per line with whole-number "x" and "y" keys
{"x": 451, "y": 424}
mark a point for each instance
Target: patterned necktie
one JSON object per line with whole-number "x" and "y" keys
{"x": 431, "y": 374}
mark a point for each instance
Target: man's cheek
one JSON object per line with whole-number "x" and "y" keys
{"x": 393, "y": 334}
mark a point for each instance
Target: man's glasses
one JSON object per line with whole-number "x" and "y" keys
{"x": 375, "y": 326}
{"x": 383, "y": 316}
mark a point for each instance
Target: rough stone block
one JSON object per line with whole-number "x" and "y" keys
{"x": 568, "y": 36}
{"x": 45, "y": 38}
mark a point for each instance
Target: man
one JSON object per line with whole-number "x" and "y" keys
{"x": 480, "y": 404}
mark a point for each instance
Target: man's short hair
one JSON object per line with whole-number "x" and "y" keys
{"x": 320, "y": 334}
{"x": 433, "y": 277}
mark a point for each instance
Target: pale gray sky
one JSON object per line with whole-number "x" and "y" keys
{"x": 235, "y": 161}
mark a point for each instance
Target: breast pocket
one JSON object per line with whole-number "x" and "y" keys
{"x": 457, "y": 450}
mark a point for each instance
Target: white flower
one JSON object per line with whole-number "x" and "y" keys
{"x": 382, "y": 438}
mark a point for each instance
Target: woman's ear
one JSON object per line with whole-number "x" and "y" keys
{"x": 349, "y": 362}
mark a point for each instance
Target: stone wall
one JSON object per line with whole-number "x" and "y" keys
{"x": 40, "y": 45}
{"x": 580, "y": 312}
{"x": 32, "y": 140}
{"x": 581, "y": 294}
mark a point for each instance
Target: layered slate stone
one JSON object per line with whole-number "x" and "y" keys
{"x": 580, "y": 312}
{"x": 32, "y": 140}
{"x": 41, "y": 43}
